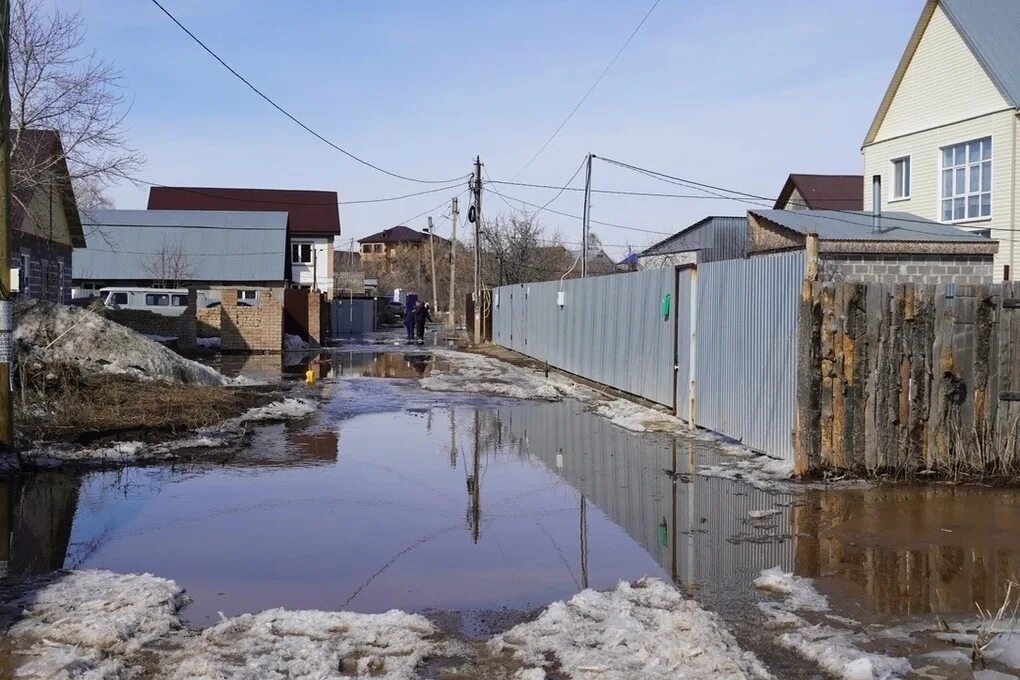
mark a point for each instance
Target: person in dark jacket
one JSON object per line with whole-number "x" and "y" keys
{"x": 421, "y": 315}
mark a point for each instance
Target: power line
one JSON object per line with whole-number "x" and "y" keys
{"x": 290, "y": 115}
{"x": 590, "y": 89}
{"x": 652, "y": 194}
{"x": 577, "y": 217}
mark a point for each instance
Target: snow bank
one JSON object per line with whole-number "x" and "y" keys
{"x": 478, "y": 374}
{"x": 294, "y": 343}
{"x": 648, "y": 630}
{"x": 97, "y": 624}
{"x": 214, "y": 436}
{"x": 835, "y": 649}
{"x": 759, "y": 471}
{"x": 635, "y": 417}
{"x": 48, "y": 332}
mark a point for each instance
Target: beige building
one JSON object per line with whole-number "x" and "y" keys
{"x": 945, "y": 137}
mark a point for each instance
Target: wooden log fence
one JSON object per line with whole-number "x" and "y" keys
{"x": 909, "y": 378}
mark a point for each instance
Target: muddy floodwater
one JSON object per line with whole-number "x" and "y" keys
{"x": 479, "y": 511}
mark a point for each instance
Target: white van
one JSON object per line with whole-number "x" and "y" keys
{"x": 165, "y": 301}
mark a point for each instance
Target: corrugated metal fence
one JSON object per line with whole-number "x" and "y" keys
{"x": 729, "y": 327}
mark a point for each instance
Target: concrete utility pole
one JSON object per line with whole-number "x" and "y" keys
{"x": 477, "y": 190}
{"x": 586, "y": 220}
{"x": 6, "y": 305}
{"x": 432, "y": 256}
{"x": 454, "y": 214}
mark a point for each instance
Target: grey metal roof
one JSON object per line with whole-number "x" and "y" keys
{"x": 991, "y": 29}
{"x": 220, "y": 245}
{"x": 717, "y": 237}
{"x": 846, "y": 225}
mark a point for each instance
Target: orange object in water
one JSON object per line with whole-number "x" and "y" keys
{"x": 310, "y": 376}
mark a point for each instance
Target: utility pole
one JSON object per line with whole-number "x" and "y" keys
{"x": 6, "y": 304}
{"x": 477, "y": 187}
{"x": 454, "y": 214}
{"x": 586, "y": 220}
{"x": 432, "y": 256}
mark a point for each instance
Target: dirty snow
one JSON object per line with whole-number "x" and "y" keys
{"x": 835, "y": 649}
{"x": 294, "y": 343}
{"x": 648, "y": 630}
{"x": 636, "y": 417}
{"x": 48, "y": 332}
{"x": 214, "y": 436}
{"x": 97, "y": 624}
{"x": 209, "y": 343}
{"x": 478, "y": 374}
{"x": 762, "y": 514}
{"x": 759, "y": 471}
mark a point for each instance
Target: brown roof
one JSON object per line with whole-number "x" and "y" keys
{"x": 37, "y": 151}
{"x": 825, "y": 192}
{"x": 399, "y": 234}
{"x": 312, "y": 213}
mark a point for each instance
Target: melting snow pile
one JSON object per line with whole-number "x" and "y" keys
{"x": 648, "y": 630}
{"x": 759, "y": 471}
{"x": 48, "y": 332}
{"x": 834, "y": 649}
{"x": 474, "y": 373}
{"x": 213, "y": 436}
{"x": 98, "y": 624}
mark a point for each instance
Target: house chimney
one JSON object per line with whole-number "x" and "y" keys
{"x": 876, "y": 203}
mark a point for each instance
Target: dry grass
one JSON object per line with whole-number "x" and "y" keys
{"x": 56, "y": 403}
{"x": 992, "y": 623}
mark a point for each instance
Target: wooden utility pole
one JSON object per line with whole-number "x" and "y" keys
{"x": 454, "y": 214}
{"x": 432, "y": 256}
{"x": 586, "y": 220}
{"x": 6, "y": 304}
{"x": 477, "y": 190}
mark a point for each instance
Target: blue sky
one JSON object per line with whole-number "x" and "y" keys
{"x": 736, "y": 93}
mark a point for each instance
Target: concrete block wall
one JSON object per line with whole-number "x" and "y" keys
{"x": 933, "y": 269}
{"x": 252, "y": 329}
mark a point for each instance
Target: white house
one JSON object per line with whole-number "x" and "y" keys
{"x": 945, "y": 137}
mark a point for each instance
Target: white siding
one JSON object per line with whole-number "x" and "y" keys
{"x": 924, "y": 151}
{"x": 944, "y": 83}
{"x": 321, "y": 276}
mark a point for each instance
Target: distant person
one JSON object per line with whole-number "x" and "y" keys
{"x": 421, "y": 316}
{"x": 409, "y": 322}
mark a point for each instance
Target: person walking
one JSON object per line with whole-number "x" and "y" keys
{"x": 421, "y": 316}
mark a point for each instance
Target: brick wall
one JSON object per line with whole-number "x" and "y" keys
{"x": 315, "y": 316}
{"x": 936, "y": 268}
{"x": 208, "y": 319}
{"x": 252, "y": 329}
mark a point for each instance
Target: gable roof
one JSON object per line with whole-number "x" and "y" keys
{"x": 312, "y": 213}
{"x": 221, "y": 245}
{"x": 393, "y": 235}
{"x": 988, "y": 27}
{"x": 725, "y": 235}
{"x": 833, "y": 225}
{"x": 825, "y": 192}
{"x": 42, "y": 149}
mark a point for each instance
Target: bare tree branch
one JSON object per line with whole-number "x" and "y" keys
{"x": 171, "y": 265}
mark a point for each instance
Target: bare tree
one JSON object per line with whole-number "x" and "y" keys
{"x": 55, "y": 85}
{"x": 516, "y": 251}
{"x": 170, "y": 266}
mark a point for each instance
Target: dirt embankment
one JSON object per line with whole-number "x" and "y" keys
{"x": 84, "y": 379}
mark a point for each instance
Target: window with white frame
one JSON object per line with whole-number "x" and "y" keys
{"x": 901, "y": 178}
{"x": 247, "y": 295}
{"x": 301, "y": 253}
{"x": 967, "y": 180}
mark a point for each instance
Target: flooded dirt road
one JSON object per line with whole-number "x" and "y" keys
{"x": 479, "y": 511}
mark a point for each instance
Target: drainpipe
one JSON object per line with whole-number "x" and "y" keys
{"x": 876, "y": 203}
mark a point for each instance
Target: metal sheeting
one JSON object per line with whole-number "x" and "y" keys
{"x": 610, "y": 329}
{"x": 746, "y": 349}
{"x": 352, "y": 317}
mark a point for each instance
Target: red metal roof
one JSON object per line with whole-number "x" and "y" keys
{"x": 399, "y": 234}
{"x": 825, "y": 192}
{"x": 312, "y": 213}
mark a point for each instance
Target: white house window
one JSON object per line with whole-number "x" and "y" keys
{"x": 301, "y": 253}
{"x": 247, "y": 295}
{"x": 967, "y": 180}
{"x": 901, "y": 178}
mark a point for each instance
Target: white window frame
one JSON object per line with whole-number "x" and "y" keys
{"x": 295, "y": 249}
{"x": 247, "y": 295}
{"x": 892, "y": 175}
{"x": 967, "y": 167}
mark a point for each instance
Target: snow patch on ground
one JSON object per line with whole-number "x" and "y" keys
{"x": 759, "y": 471}
{"x": 648, "y": 630}
{"x": 635, "y": 417}
{"x": 214, "y": 436}
{"x": 48, "y": 332}
{"x": 478, "y": 374}
{"x": 835, "y": 649}
{"x": 97, "y": 624}
{"x": 294, "y": 343}
{"x": 209, "y": 343}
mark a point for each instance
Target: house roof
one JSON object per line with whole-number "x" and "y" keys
{"x": 833, "y": 225}
{"x": 988, "y": 27}
{"x": 825, "y": 192}
{"x": 42, "y": 150}
{"x": 698, "y": 236}
{"x": 312, "y": 213}
{"x": 394, "y": 235}
{"x": 220, "y": 245}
